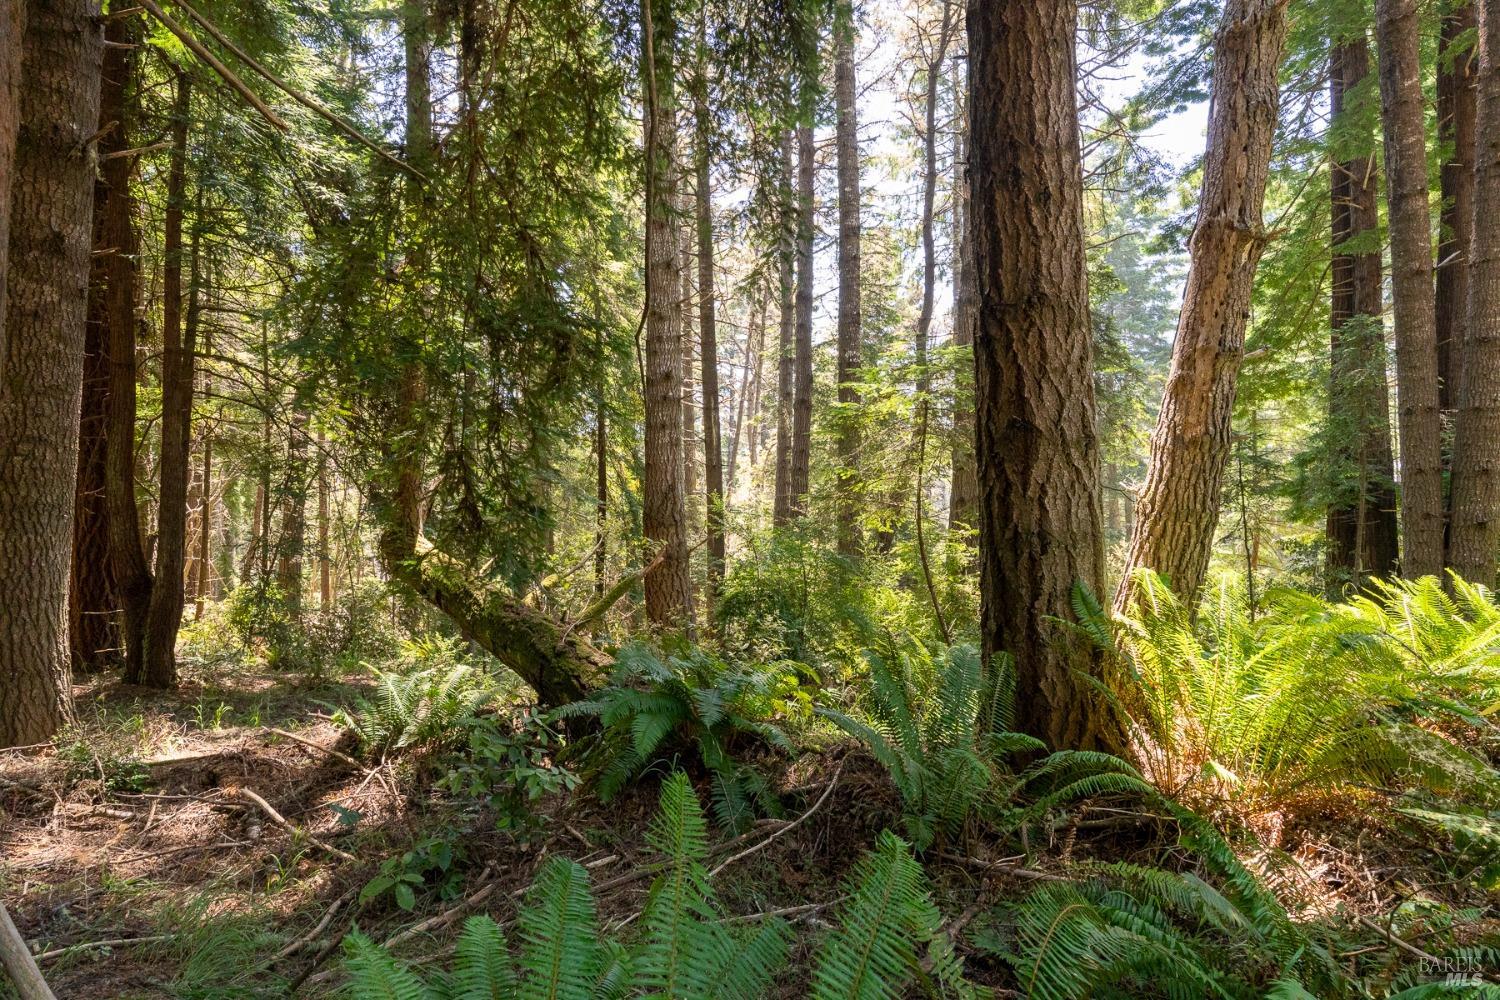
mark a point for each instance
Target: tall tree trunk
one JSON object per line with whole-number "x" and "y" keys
{"x": 294, "y": 518}
{"x": 1179, "y": 504}
{"x": 12, "y": 30}
{"x": 668, "y": 586}
{"x": 744, "y": 407}
{"x": 41, "y": 372}
{"x": 963, "y": 498}
{"x": 803, "y": 368}
{"x": 1362, "y": 537}
{"x": 1475, "y": 530}
{"x": 601, "y": 489}
{"x": 201, "y": 580}
{"x": 786, "y": 351}
{"x": 1455, "y": 113}
{"x": 929, "y": 198}
{"x": 1033, "y": 358}
{"x": 325, "y": 528}
{"x": 93, "y": 626}
{"x": 708, "y": 342}
{"x": 1398, "y": 38}
{"x": 850, "y": 332}
{"x": 164, "y": 615}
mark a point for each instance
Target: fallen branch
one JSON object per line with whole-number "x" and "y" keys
{"x": 1405, "y": 946}
{"x": 318, "y": 928}
{"x": 330, "y": 751}
{"x": 108, "y": 943}
{"x": 19, "y": 964}
{"x": 292, "y": 828}
{"x": 790, "y": 826}
{"x": 804, "y": 910}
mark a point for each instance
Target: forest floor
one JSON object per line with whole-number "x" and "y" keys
{"x": 140, "y": 859}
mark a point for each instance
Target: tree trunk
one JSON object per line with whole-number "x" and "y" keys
{"x": 745, "y": 398}
{"x": 1398, "y": 38}
{"x": 1475, "y": 530}
{"x": 164, "y": 615}
{"x": 668, "y": 586}
{"x": 802, "y": 403}
{"x": 786, "y": 364}
{"x": 41, "y": 374}
{"x": 1033, "y": 358}
{"x": 929, "y": 200}
{"x": 850, "y": 333}
{"x": 963, "y": 498}
{"x": 708, "y": 342}
{"x": 1179, "y": 504}
{"x": 205, "y": 527}
{"x": 93, "y": 623}
{"x": 1362, "y": 538}
{"x": 12, "y": 28}
{"x": 325, "y": 528}
{"x": 294, "y": 518}
{"x": 1455, "y": 114}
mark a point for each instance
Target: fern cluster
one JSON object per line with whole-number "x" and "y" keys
{"x": 420, "y": 708}
{"x": 938, "y": 727}
{"x": 656, "y": 709}
{"x": 888, "y": 935}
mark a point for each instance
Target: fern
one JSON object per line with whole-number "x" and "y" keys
{"x": 561, "y": 957}
{"x": 375, "y": 975}
{"x": 481, "y": 966}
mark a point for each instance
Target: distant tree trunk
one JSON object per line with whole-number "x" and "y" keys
{"x": 1475, "y": 531}
{"x": 708, "y": 342}
{"x": 668, "y": 586}
{"x": 1362, "y": 537}
{"x": 601, "y": 490}
{"x": 325, "y": 526}
{"x": 786, "y": 351}
{"x": 41, "y": 374}
{"x": 1179, "y": 504}
{"x": 850, "y": 333}
{"x": 802, "y": 404}
{"x": 1037, "y": 441}
{"x": 164, "y": 615}
{"x": 294, "y": 518}
{"x": 1455, "y": 113}
{"x": 929, "y": 198}
{"x": 963, "y": 498}
{"x": 93, "y": 623}
{"x": 687, "y": 354}
{"x": 202, "y": 580}
{"x": 1398, "y": 27}
{"x": 749, "y": 386}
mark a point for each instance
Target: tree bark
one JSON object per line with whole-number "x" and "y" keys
{"x": 929, "y": 200}
{"x": 1410, "y": 222}
{"x": 1362, "y": 535}
{"x": 12, "y": 30}
{"x": 325, "y": 527}
{"x": 668, "y": 586}
{"x": 850, "y": 329}
{"x": 963, "y": 500}
{"x": 1475, "y": 530}
{"x": 164, "y": 613}
{"x": 1038, "y": 455}
{"x": 1455, "y": 114}
{"x": 41, "y": 374}
{"x": 786, "y": 351}
{"x": 294, "y": 518}
{"x": 708, "y": 342}
{"x": 1179, "y": 503}
{"x": 802, "y": 403}
{"x": 203, "y": 565}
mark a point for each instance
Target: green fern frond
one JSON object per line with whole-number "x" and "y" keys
{"x": 481, "y": 965}
{"x": 561, "y": 956}
{"x": 375, "y": 975}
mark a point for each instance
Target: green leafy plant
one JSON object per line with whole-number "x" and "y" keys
{"x": 656, "y": 710}
{"x": 509, "y": 765}
{"x": 433, "y": 863}
{"x": 425, "y": 708}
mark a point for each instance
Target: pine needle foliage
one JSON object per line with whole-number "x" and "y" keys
{"x": 657, "y": 710}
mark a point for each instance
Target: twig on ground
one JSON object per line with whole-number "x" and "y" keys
{"x": 804, "y": 910}
{"x": 1404, "y": 945}
{"x": 296, "y": 831}
{"x": 330, "y": 751}
{"x": 318, "y": 928}
{"x": 108, "y": 943}
{"x": 790, "y": 826}
{"x": 1001, "y": 865}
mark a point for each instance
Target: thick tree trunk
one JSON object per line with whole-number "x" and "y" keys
{"x": 1455, "y": 111}
{"x": 802, "y": 404}
{"x": 1179, "y": 504}
{"x": 1362, "y": 537}
{"x": 41, "y": 373}
{"x": 12, "y": 29}
{"x": 1475, "y": 530}
{"x": 708, "y": 345}
{"x": 164, "y": 614}
{"x": 668, "y": 586}
{"x": 850, "y": 332}
{"x": 1033, "y": 358}
{"x": 93, "y": 626}
{"x": 1398, "y": 27}
{"x": 786, "y": 349}
{"x": 963, "y": 498}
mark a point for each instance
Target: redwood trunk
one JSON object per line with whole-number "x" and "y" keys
{"x": 1398, "y": 38}
{"x": 1475, "y": 530}
{"x": 667, "y": 584}
{"x": 1362, "y": 539}
{"x": 850, "y": 333}
{"x": 12, "y": 28}
{"x": 1179, "y": 503}
{"x": 41, "y": 377}
{"x": 1038, "y": 457}
{"x": 1455, "y": 111}
{"x": 708, "y": 348}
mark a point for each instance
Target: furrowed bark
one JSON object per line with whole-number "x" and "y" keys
{"x": 850, "y": 334}
{"x": 802, "y": 402}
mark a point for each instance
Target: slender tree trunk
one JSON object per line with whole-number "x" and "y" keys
{"x": 164, "y": 615}
{"x": 929, "y": 199}
{"x": 1362, "y": 537}
{"x": 1475, "y": 531}
{"x": 202, "y": 581}
{"x": 1179, "y": 504}
{"x": 802, "y": 404}
{"x": 786, "y": 364}
{"x": 1398, "y": 27}
{"x": 1033, "y": 358}
{"x": 601, "y": 490}
{"x": 93, "y": 627}
{"x": 754, "y": 429}
{"x": 325, "y": 526}
{"x": 668, "y": 586}
{"x": 708, "y": 342}
{"x": 743, "y": 407}
{"x": 963, "y": 498}
{"x": 1455, "y": 112}
{"x": 850, "y": 332}
{"x": 294, "y": 518}
{"x": 41, "y": 373}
